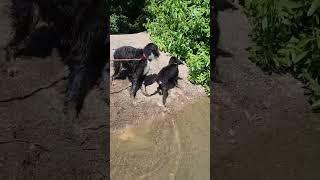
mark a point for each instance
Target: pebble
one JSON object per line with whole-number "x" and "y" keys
{"x": 231, "y": 132}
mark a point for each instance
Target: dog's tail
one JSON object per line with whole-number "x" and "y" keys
{"x": 150, "y": 79}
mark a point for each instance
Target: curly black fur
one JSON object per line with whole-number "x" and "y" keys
{"x": 137, "y": 70}
{"x": 167, "y": 78}
{"x": 77, "y": 28}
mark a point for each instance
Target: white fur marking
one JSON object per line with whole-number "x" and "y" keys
{"x": 151, "y": 56}
{"x": 147, "y": 68}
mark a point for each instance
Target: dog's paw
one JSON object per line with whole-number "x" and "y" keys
{"x": 145, "y": 93}
{"x": 166, "y": 110}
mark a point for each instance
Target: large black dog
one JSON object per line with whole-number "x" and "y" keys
{"x": 78, "y": 29}
{"x": 167, "y": 78}
{"x": 138, "y": 67}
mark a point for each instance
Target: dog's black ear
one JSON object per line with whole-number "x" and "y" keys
{"x": 182, "y": 60}
{"x": 151, "y": 48}
{"x": 147, "y": 52}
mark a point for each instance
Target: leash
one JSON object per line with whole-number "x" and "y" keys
{"x": 136, "y": 59}
{"x": 126, "y": 59}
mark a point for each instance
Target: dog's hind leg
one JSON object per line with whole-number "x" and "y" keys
{"x": 117, "y": 68}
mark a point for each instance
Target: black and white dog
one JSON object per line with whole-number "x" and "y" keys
{"x": 138, "y": 67}
{"x": 168, "y": 78}
{"x": 79, "y": 29}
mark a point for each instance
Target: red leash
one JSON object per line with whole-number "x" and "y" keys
{"x": 126, "y": 59}
{"x": 144, "y": 57}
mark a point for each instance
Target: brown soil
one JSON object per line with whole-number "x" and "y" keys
{"x": 263, "y": 126}
{"x": 32, "y": 142}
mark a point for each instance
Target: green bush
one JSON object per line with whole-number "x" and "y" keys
{"x": 182, "y": 29}
{"x": 287, "y": 39}
{"x": 127, "y": 16}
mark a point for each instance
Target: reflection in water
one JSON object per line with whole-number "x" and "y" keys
{"x": 174, "y": 147}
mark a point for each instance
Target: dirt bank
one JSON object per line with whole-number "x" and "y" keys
{"x": 263, "y": 125}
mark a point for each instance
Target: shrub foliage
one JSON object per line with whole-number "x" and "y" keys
{"x": 287, "y": 39}
{"x": 127, "y": 16}
{"x": 182, "y": 29}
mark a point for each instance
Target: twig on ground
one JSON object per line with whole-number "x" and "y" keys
{"x": 119, "y": 90}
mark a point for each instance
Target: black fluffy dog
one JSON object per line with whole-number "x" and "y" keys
{"x": 77, "y": 28}
{"x": 168, "y": 78}
{"x": 136, "y": 69}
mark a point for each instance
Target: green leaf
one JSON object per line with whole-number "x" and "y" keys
{"x": 316, "y": 105}
{"x": 264, "y": 23}
{"x": 298, "y": 58}
{"x": 318, "y": 41}
{"x": 314, "y": 6}
{"x": 290, "y": 4}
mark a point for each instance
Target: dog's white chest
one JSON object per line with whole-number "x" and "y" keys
{"x": 147, "y": 68}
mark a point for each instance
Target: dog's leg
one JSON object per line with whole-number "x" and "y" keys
{"x": 117, "y": 68}
{"x": 143, "y": 90}
{"x": 136, "y": 80}
{"x": 134, "y": 86}
{"x": 165, "y": 92}
{"x": 86, "y": 62}
{"x": 176, "y": 82}
{"x": 23, "y": 22}
{"x": 22, "y": 12}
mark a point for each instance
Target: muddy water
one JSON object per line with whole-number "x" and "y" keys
{"x": 173, "y": 147}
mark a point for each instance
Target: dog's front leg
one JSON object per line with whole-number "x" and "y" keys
{"x": 22, "y": 13}
{"x": 136, "y": 81}
{"x": 165, "y": 96}
{"x": 23, "y": 22}
{"x": 85, "y": 66}
{"x": 134, "y": 87}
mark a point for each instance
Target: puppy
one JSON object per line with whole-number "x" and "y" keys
{"x": 168, "y": 78}
{"x": 136, "y": 69}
